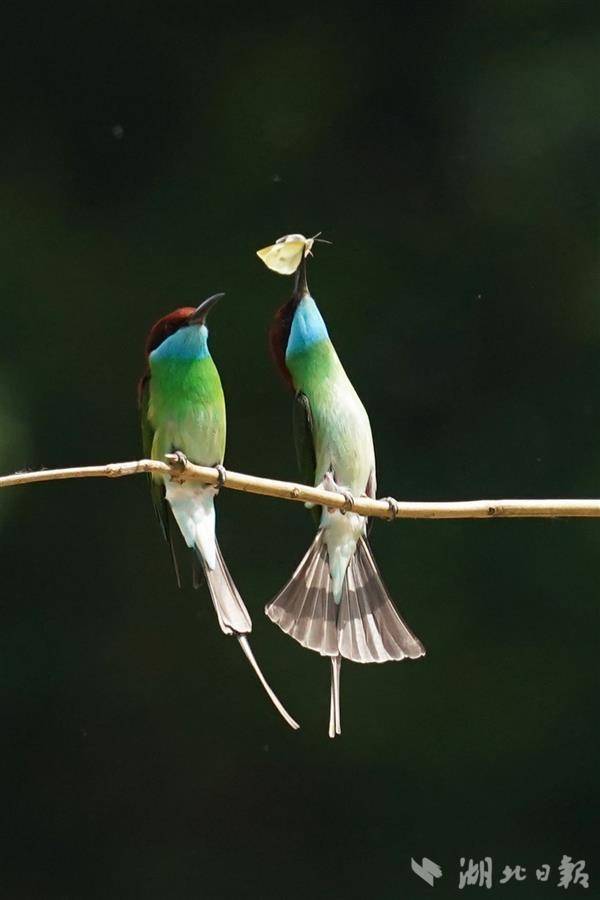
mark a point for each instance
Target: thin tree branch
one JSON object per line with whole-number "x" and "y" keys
{"x": 288, "y": 490}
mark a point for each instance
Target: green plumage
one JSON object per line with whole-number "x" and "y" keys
{"x": 334, "y": 418}
{"x": 186, "y": 410}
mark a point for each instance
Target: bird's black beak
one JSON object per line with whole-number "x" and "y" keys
{"x": 200, "y": 314}
{"x": 300, "y": 283}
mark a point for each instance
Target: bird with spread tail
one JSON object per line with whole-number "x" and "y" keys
{"x": 182, "y": 410}
{"x": 335, "y": 602}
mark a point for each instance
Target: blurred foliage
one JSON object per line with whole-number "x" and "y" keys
{"x": 451, "y": 152}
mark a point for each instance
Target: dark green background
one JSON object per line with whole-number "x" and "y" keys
{"x": 451, "y": 152}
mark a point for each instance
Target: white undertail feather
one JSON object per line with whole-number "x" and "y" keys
{"x": 194, "y": 510}
{"x": 341, "y": 534}
{"x": 193, "y": 506}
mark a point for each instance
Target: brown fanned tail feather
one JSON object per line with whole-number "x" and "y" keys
{"x": 364, "y": 627}
{"x": 305, "y": 608}
{"x": 369, "y": 627}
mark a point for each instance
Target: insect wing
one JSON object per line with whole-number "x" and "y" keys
{"x": 283, "y": 258}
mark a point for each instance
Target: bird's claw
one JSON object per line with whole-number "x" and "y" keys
{"x": 222, "y": 475}
{"x": 349, "y": 498}
{"x": 178, "y": 461}
{"x": 394, "y": 508}
{"x": 329, "y": 484}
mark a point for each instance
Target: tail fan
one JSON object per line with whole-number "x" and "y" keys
{"x": 369, "y": 627}
{"x": 234, "y": 619}
{"x": 364, "y": 627}
{"x": 305, "y": 608}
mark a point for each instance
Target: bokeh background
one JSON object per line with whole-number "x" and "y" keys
{"x": 451, "y": 152}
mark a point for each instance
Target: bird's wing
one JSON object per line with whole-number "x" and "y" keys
{"x": 157, "y": 489}
{"x": 371, "y": 488}
{"x": 305, "y": 445}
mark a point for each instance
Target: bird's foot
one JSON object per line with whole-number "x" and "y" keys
{"x": 349, "y": 498}
{"x": 394, "y": 508}
{"x": 329, "y": 484}
{"x": 222, "y": 475}
{"x": 178, "y": 461}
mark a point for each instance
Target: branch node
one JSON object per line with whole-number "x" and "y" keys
{"x": 492, "y": 511}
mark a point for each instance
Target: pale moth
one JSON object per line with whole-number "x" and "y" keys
{"x": 286, "y": 254}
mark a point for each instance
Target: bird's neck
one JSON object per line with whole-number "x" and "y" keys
{"x": 310, "y": 357}
{"x": 307, "y": 328}
{"x": 188, "y": 343}
{"x": 298, "y": 335}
